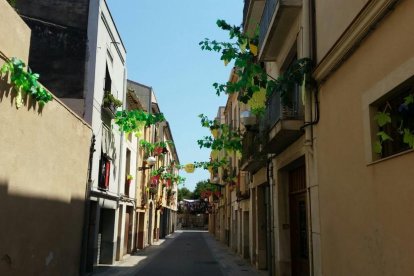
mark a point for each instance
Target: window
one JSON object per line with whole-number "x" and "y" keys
{"x": 108, "y": 81}
{"x": 104, "y": 171}
{"x": 393, "y": 119}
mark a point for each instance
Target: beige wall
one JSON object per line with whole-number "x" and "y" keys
{"x": 366, "y": 209}
{"x": 43, "y": 174}
{"x": 14, "y": 33}
{"x": 339, "y": 14}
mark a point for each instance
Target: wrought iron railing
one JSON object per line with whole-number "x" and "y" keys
{"x": 283, "y": 108}
{"x": 269, "y": 10}
{"x": 251, "y": 143}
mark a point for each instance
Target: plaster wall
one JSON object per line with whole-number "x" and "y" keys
{"x": 366, "y": 208}
{"x": 100, "y": 20}
{"x": 17, "y": 43}
{"x": 43, "y": 174}
{"x": 328, "y": 33}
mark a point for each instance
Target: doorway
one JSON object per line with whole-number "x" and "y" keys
{"x": 150, "y": 224}
{"x": 298, "y": 221}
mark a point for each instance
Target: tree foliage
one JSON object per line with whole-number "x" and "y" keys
{"x": 184, "y": 193}
{"x": 203, "y": 186}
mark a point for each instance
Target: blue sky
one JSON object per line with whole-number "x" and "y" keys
{"x": 161, "y": 38}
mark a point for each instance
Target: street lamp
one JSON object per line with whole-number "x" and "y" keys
{"x": 150, "y": 161}
{"x": 248, "y": 119}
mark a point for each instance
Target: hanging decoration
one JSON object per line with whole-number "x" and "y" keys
{"x": 189, "y": 168}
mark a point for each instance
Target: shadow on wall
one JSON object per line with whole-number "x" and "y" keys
{"x": 8, "y": 91}
{"x": 39, "y": 236}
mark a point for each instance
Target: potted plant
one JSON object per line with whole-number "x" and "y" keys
{"x": 153, "y": 189}
{"x": 129, "y": 179}
{"x": 110, "y": 103}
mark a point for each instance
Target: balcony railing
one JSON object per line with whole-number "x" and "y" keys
{"x": 252, "y": 150}
{"x": 286, "y": 108}
{"x": 268, "y": 12}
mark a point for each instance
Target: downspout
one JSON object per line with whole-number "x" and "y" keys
{"x": 309, "y": 42}
{"x": 121, "y": 149}
{"x": 306, "y": 53}
{"x": 85, "y": 228}
{"x": 122, "y": 138}
{"x": 313, "y": 53}
{"x": 272, "y": 264}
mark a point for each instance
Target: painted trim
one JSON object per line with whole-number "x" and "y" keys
{"x": 377, "y": 91}
{"x": 359, "y": 28}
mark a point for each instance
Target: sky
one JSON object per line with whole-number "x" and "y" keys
{"x": 161, "y": 38}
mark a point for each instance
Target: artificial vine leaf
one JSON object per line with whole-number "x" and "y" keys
{"x": 243, "y": 45}
{"x": 382, "y": 118}
{"x": 19, "y": 99}
{"x": 253, "y": 49}
{"x": 25, "y": 82}
{"x": 377, "y": 147}
{"x": 257, "y": 102}
{"x": 409, "y": 99}
{"x": 135, "y": 120}
{"x": 384, "y": 136}
{"x": 408, "y": 138}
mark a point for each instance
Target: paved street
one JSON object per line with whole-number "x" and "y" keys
{"x": 183, "y": 253}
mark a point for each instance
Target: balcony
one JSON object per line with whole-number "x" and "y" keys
{"x": 277, "y": 20}
{"x": 283, "y": 119}
{"x": 253, "y": 158}
{"x": 252, "y": 12}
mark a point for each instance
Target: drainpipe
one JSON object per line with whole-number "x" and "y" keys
{"x": 306, "y": 53}
{"x": 85, "y": 228}
{"x": 121, "y": 149}
{"x": 271, "y": 265}
{"x": 309, "y": 50}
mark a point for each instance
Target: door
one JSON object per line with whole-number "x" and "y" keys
{"x": 126, "y": 233}
{"x": 298, "y": 222}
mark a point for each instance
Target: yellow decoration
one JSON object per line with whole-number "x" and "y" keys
{"x": 253, "y": 49}
{"x": 243, "y": 46}
{"x": 189, "y": 168}
{"x": 238, "y": 154}
{"x": 258, "y": 99}
{"x": 214, "y": 154}
{"x": 139, "y": 133}
{"x": 214, "y": 132}
{"x": 19, "y": 99}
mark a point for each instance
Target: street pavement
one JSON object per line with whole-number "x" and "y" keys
{"x": 183, "y": 253}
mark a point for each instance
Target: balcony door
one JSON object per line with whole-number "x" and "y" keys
{"x": 298, "y": 222}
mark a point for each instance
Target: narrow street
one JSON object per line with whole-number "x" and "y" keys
{"x": 183, "y": 253}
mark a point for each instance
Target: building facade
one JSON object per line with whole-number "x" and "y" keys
{"x": 328, "y": 179}
{"x": 156, "y": 201}
{"x": 42, "y": 183}
{"x": 83, "y": 60}
{"x": 364, "y": 62}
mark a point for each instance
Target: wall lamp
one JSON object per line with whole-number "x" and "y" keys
{"x": 150, "y": 161}
{"x": 248, "y": 119}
